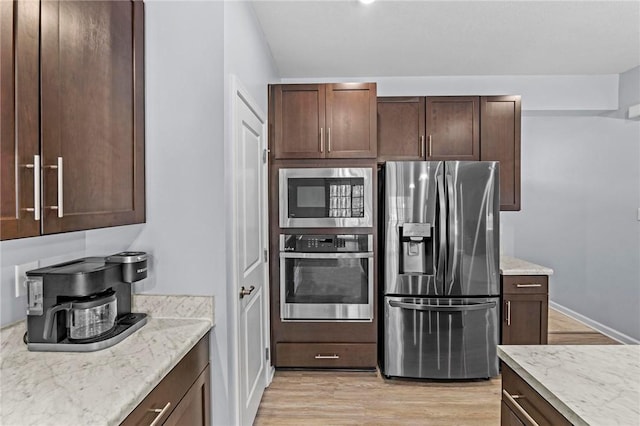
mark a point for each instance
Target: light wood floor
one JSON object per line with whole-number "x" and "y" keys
{"x": 365, "y": 398}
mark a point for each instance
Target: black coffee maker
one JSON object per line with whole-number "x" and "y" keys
{"x": 83, "y": 305}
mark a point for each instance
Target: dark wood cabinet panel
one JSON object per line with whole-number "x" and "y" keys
{"x": 188, "y": 383}
{"x": 299, "y": 116}
{"x": 195, "y": 407}
{"x": 453, "y": 128}
{"x": 500, "y": 141}
{"x": 524, "y": 405}
{"x": 351, "y": 120}
{"x": 323, "y": 120}
{"x": 401, "y": 128}
{"x": 525, "y": 310}
{"x": 92, "y": 114}
{"x": 327, "y": 355}
{"x": 19, "y": 121}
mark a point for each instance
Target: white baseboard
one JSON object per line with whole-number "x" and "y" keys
{"x": 607, "y": 331}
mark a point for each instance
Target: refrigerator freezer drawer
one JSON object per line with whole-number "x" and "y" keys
{"x": 436, "y": 338}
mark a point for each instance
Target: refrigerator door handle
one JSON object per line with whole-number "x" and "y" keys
{"x": 452, "y": 261}
{"x": 442, "y": 308}
{"x": 442, "y": 225}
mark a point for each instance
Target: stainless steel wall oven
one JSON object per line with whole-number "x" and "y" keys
{"x": 325, "y": 197}
{"x": 326, "y": 277}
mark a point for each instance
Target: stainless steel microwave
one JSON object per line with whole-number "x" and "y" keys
{"x": 326, "y": 198}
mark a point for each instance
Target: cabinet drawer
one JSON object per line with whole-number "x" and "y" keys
{"x": 168, "y": 393}
{"x": 326, "y": 355}
{"x": 527, "y": 400}
{"x": 525, "y": 284}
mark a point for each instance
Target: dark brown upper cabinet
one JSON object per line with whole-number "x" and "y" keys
{"x": 324, "y": 120}
{"x": 453, "y": 128}
{"x": 19, "y": 121}
{"x": 401, "y": 128}
{"x": 83, "y": 118}
{"x": 500, "y": 141}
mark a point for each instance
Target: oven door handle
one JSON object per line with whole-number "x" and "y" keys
{"x": 291, "y": 255}
{"x": 442, "y": 308}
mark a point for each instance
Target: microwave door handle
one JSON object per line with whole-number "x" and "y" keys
{"x": 443, "y": 308}
{"x": 292, "y": 255}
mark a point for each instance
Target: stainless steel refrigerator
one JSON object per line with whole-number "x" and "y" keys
{"x": 441, "y": 229}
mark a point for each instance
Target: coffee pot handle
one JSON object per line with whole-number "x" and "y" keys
{"x": 48, "y": 322}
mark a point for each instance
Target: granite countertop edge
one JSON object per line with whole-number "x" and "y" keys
{"x": 556, "y": 402}
{"x": 514, "y": 266}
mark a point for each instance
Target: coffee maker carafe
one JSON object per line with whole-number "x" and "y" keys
{"x": 83, "y": 305}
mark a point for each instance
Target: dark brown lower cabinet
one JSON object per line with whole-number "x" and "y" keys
{"x": 522, "y": 405}
{"x": 525, "y": 309}
{"x": 326, "y": 355}
{"x": 182, "y": 397}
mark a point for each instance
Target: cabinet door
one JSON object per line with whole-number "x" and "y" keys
{"x": 92, "y": 114}
{"x": 299, "y": 120}
{"x": 500, "y": 141}
{"x": 401, "y": 128}
{"x": 19, "y": 115}
{"x": 508, "y": 417}
{"x": 194, "y": 409}
{"x": 453, "y": 128}
{"x": 525, "y": 319}
{"x": 351, "y": 120}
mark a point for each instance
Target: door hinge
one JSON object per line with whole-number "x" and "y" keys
{"x": 266, "y": 255}
{"x": 265, "y": 155}
{"x": 266, "y": 353}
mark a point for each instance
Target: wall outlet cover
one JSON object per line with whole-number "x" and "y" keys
{"x": 21, "y": 277}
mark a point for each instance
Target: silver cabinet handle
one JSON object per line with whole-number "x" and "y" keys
{"x": 160, "y": 411}
{"x": 36, "y": 187}
{"x": 430, "y": 145}
{"x": 512, "y": 400}
{"x": 334, "y": 356}
{"x": 321, "y": 139}
{"x": 59, "y": 207}
{"x": 528, "y": 285}
{"x": 421, "y": 148}
{"x": 244, "y": 292}
{"x": 328, "y": 139}
{"x": 509, "y": 312}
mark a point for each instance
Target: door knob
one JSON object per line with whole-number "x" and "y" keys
{"x": 244, "y": 292}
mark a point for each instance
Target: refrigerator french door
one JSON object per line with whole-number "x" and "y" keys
{"x": 441, "y": 269}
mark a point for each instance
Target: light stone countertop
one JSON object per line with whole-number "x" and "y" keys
{"x": 589, "y": 385}
{"x": 102, "y": 387}
{"x": 514, "y": 266}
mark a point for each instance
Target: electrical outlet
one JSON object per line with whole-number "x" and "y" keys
{"x": 21, "y": 277}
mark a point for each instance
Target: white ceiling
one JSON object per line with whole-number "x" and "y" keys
{"x": 344, "y": 38}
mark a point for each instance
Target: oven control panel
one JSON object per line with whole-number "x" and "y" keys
{"x": 327, "y": 243}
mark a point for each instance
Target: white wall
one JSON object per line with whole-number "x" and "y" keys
{"x": 580, "y": 195}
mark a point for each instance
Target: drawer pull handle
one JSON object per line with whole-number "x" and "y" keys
{"x": 512, "y": 400}
{"x": 528, "y": 285}
{"x": 508, "y": 312}
{"x": 160, "y": 412}
{"x": 334, "y": 356}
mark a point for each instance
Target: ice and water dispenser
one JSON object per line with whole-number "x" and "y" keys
{"x": 416, "y": 248}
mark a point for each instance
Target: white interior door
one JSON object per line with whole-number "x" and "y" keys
{"x": 251, "y": 288}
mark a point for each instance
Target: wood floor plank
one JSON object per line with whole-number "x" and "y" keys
{"x": 339, "y": 398}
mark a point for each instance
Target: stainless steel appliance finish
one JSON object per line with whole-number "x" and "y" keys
{"x": 326, "y": 277}
{"x": 82, "y": 305}
{"x": 441, "y": 238}
{"x": 326, "y": 197}
{"x": 441, "y": 338}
